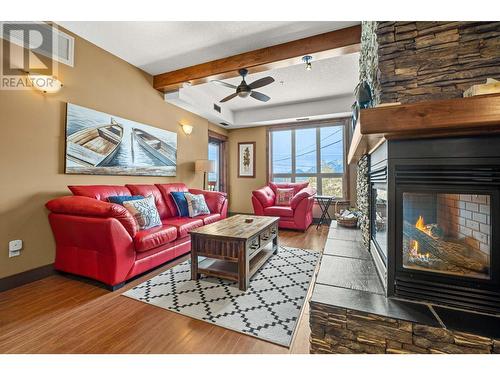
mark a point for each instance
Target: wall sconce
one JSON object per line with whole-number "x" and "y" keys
{"x": 307, "y": 59}
{"x": 44, "y": 83}
{"x": 187, "y": 129}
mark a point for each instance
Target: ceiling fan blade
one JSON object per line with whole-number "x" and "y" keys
{"x": 228, "y": 98}
{"x": 261, "y": 82}
{"x": 222, "y": 83}
{"x": 259, "y": 96}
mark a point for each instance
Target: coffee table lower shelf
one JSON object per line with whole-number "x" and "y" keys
{"x": 229, "y": 269}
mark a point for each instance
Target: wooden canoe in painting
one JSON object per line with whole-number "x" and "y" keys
{"x": 155, "y": 147}
{"x": 95, "y": 146}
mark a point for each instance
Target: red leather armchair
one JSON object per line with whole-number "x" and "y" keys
{"x": 100, "y": 240}
{"x": 296, "y": 216}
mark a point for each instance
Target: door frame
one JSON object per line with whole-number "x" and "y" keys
{"x": 223, "y": 159}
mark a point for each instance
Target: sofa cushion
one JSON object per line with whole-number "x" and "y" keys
{"x": 209, "y": 219}
{"x": 100, "y": 192}
{"x": 265, "y": 196}
{"x": 183, "y": 224}
{"x": 281, "y": 211}
{"x": 148, "y": 239}
{"x": 153, "y": 190}
{"x": 296, "y": 186}
{"x": 165, "y": 190}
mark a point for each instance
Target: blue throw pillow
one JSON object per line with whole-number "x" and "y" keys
{"x": 119, "y": 199}
{"x": 181, "y": 203}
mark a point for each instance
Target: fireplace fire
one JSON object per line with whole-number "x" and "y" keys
{"x": 456, "y": 242}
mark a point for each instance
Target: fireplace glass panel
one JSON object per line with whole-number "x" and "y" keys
{"x": 447, "y": 233}
{"x": 379, "y": 220}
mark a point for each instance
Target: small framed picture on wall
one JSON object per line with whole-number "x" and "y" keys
{"x": 246, "y": 159}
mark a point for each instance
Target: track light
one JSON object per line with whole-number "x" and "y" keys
{"x": 307, "y": 59}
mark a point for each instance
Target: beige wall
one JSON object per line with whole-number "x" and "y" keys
{"x": 32, "y": 145}
{"x": 240, "y": 189}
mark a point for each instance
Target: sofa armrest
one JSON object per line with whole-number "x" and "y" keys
{"x": 89, "y": 207}
{"x": 265, "y": 196}
{"x": 216, "y": 200}
{"x": 303, "y": 194}
{"x": 95, "y": 247}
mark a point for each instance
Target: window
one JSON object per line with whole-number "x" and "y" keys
{"x": 217, "y": 152}
{"x": 214, "y": 155}
{"x": 310, "y": 153}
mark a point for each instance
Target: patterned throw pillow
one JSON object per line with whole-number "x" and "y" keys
{"x": 284, "y": 196}
{"x": 119, "y": 199}
{"x": 144, "y": 212}
{"x": 196, "y": 204}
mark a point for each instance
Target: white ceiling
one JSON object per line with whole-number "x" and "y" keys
{"x": 331, "y": 77}
{"x": 325, "y": 91}
{"x": 158, "y": 47}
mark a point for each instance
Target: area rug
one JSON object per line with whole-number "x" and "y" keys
{"x": 269, "y": 309}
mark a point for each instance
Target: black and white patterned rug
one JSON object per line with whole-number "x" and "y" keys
{"x": 269, "y": 309}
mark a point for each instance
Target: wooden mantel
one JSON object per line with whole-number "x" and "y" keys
{"x": 438, "y": 118}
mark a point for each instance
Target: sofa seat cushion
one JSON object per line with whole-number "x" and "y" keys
{"x": 281, "y": 211}
{"x": 209, "y": 219}
{"x": 148, "y": 239}
{"x": 183, "y": 224}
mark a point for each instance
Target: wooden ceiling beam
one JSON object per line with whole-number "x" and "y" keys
{"x": 333, "y": 43}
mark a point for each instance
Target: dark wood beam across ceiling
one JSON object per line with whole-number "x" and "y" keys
{"x": 333, "y": 43}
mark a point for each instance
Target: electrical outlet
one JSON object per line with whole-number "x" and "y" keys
{"x": 15, "y": 247}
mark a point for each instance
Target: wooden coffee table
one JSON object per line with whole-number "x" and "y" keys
{"x": 234, "y": 249}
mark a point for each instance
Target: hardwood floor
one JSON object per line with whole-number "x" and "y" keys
{"x": 61, "y": 315}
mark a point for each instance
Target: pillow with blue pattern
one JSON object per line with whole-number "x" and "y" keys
{"x": 119, "y": 199}
{"x": 196, "y": 204}
{"x": 144, "y": 212}
{"x": 181, "y": 203}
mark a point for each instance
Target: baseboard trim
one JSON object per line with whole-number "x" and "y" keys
{"x": 26, "y": 277}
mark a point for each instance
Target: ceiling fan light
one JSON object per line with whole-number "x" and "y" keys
{"x": 244, "y": 94}
{"x": 307, "y": 60}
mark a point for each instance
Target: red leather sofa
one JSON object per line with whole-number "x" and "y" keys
{"x": 296, "y": 216}
{"x": 100, "y": 240}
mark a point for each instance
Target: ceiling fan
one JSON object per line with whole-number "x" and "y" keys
{"x": 243, "y": 90}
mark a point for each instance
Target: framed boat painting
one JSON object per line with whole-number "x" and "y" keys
{"x": 246, "y": 159}
{"x": 98, "y": 143}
